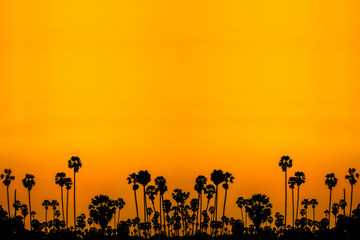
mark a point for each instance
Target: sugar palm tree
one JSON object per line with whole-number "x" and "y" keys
{"x": 101, "y": 210}
{"x": 299, "y": 179}
{"x": 152, "y": 191}
{"x": 144, "y": 178}
{"x": 292, "y": 182}
{"x": 17, "y": 206}
{"x": 200, "y": 183}
{"x": 68, "y": 184}
{"x": 259, "y": 209}
{"x": 160, "y": 183}
{"x": 285, "y": 163}
{"x": 313, "y": 203}
{"x": 29, "y": 183}
{"x": 306, "y": 204}
{"x": 342, "y": 204}
{"x": 335, "y": 210}
{"x": 60, "y": 180}
{"x": 24, "y": 212}
{"x": 120, "y": 203}
{"x": 240, "y": 203}
{"x": 74, "y": 163}
{"x": 217, "y": 177}
{"x": 133, "y": 179}
{"x": 7, "y": 180}
{"x": 209, "y": 191}
{"x": 352, "y": 180}
{"x": 54, "y": 204}
{"x": 330, "y": 182}
{"x": 228, "y": 178}
{"x": 46, "y": 204}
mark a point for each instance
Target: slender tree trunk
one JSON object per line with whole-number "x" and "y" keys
{"x": 351, "y": 199}
{"x": 30, "y": 210}
{"x": 242, "y": 215}
{"x": 216, "y": 202}
{"x": 15, "y": 202}
{"x": 136, "y": 205}
{"x": 45, "y": 215}
{"x": 224, "y": 202}
{"x": 118, "y": 221}
{"x": 200, "y": 211}
{"x": 313, "y": 214}
{"x": 293, "y": 207}
{"x": 74, "y": 202}
{"x": 162, "y": 205}
{"x": 330, "y": 208}
{"x": 297, "y": 204}
{"x": 153, "y": 206}
{"x": 344, "y": 202}
{"x": 285, "y": 196}
{"x": 67, "y": 208}
{"x": 62, "y": 204}
{"x": 197, "y": 214}
{"x": 8, "y": 202}
{"x": 145, "y": 213}
{"x": 115, "y": 219}
{"x": 160, "y": 216}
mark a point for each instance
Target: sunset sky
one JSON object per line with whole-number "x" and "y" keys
{"x": 179, "y": 88}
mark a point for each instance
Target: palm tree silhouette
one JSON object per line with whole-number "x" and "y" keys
{"x": 228, "y": 178}
{"x": 54, "y": 204}
{"x": 306, "y": 204}
{"x": 217, "y": 177}
{"x": 342, "y": 204}
{"x": 68, "y": 184}
{"x": 46, "y": 204}
{"x": 292, "y": 182}
{"x": 299, "y": 179}
{"x": 17, "y": 206}
{"x": 160, "y": 183}
{"x": 240, "y": 203}
{"x": 143, "y": 177}
{"x": 29, "y": 183}
{"x": 285, "y": 163}
{"x": 335, "y": 210}
{"x": 352, "y": 180}
{"x": 133, "y": 179}
{"x": 167, "y": 208}
{"x": 24, "y": 212}
{"x": 259, "y": 209}
{"x": 194, "y": 207}
{"x": 101, "y": 210}
{"x": 152, "y": 191}
{"x": 74, "y": 163}
{"x": 200, "y": 183}
{"x": 330, "y": 182}
{"x": 60, "y": 180}
{"x": 120, "y": 203}
{"x": 7, "y": 180}
{"x": 313, "y": 203}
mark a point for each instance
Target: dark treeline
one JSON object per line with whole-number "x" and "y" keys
{"x": 180, "y": 216}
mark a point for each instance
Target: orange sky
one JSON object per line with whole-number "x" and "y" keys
{"x": 179, "y": 88}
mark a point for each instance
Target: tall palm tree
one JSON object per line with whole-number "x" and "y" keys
{"x": 160, "y": 183}
{"x": 313, "y": 203}
{"x": 285, "y": 163}
{"x": 306, "y": 204}
{"x": 144, "y": 178}
{"x": 240, "y": 203}
{"x": 299, "y": 179}
{"x": 217, "y": 177}
{"x": 292, "y": 182}
{"x": 352, "y": 180}
{"x": 228, "y": 178}
{"x": 200, "y": 183}
{"x": 259, "y": 209}
{"x": 74, "y": 163}
{"x": 133, "y": 179}
{"x": 101, "y": 210}
{"x": 46, "y": 204}
{"x": 7, "y": 180}
{"x": 29, "y": 183}
{"x": 330, "y": 182}
{"x": 60, "y": 180}
{"x": 54, "y": 204}
{"x": 68, "y": 184}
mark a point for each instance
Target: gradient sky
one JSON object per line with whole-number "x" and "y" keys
{"x": 179, "y": 88}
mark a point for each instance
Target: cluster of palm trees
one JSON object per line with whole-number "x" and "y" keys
{"x": 180, "y": 213}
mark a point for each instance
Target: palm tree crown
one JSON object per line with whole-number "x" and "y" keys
{"x": 331, "y": 180}
{"x": 75, "y": 163}
{"x": 285, "y": 163}
{"x": 28, "y": 181}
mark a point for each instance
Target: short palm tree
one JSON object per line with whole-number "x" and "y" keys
{"x": 152, "y": 191}
{"x": 54, "y": 204}
{"x": 143, "y": 178}
{"x": 74, "y": 163}
{"x": 160, "y": 183}
{"x": 285, "y": 163}
{"x": 335, "y": 210}
{"x": 228, "y": 178}
{"x": 17, "y": 206}
{"x": 352, "y": 180}
{"x": 306, "y": 204}
{"x": 209, "y": 191}
{"x": 60, "y": 180}
{"x": 133, "y": 179}
{"x": 101, "y": 210}
{"x": 24, "y": 212}
{"x": 7, "y": 180}
{"x": 292, "y": 182}
{"x": 342, "y": 204}
{"x": 240, "y": 203}
{"x": 200, "y": 183}
{"x": 299, "y": 179}
{"x": 259, "y": 209}
{"x": 120, "y": 203}
{"x": 46, "y": 204}
{"x": 313, "y": 203}
{"x": 29, "y": 183}
{"x": 330, "y": 182}
{"x": 68, "y": 184}
{"x": 217, "y": 177}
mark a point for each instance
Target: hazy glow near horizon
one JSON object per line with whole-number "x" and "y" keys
{"x": 179, "y": 88}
